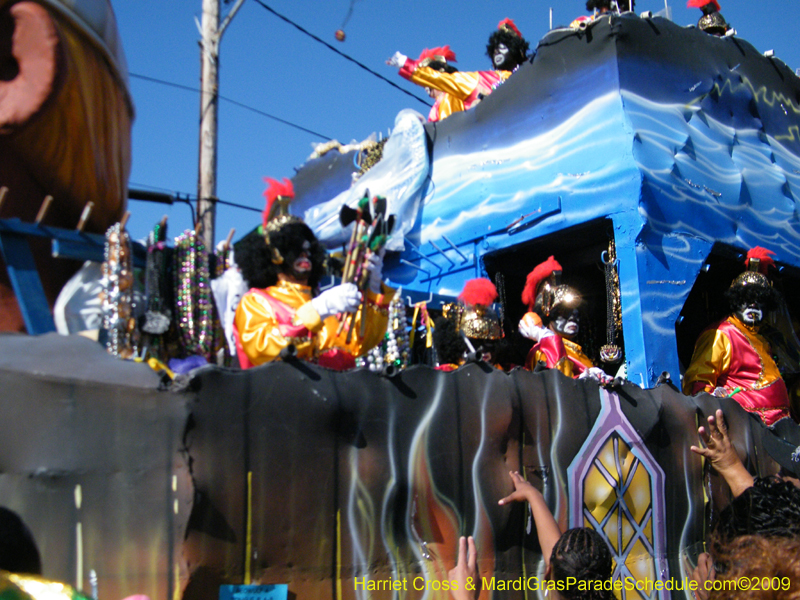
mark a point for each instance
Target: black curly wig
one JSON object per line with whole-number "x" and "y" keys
{"x": 517, "y": 49}
{"x": 737, "y": 295}
{"x": 582, "y": 553}
{"x": 447, "y": 341}
{"x": 255, "y": 258}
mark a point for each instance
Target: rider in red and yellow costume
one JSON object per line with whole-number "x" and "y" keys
{"x": 731, "y": 358}
{"x": 453, "y": 90}
{"x": 553, "y": 321}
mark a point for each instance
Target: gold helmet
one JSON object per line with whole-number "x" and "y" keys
{"x": 474, "y": 315}
{"x": 544, "y": 291}
{"x": 758, "y": 262}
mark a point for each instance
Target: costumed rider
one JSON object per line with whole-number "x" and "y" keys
{"x": 553, "y": 322}
{"x": 453, "y": 90}
{"x": 283, "y": 265}
{"x": 598, "y": 8}
{"x": 731, "y": 358}
{"x": 468, "y": 327}
{"x": 712, "y": 21}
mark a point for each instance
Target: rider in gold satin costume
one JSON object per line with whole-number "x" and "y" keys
{"x": 731, "y": 358}
{"x": 284, "y": 265}
{"x": 453, "y": 90}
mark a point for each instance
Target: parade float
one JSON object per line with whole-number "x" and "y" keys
{"x": 634, "y": 150}
{"x": 65, "y": 148}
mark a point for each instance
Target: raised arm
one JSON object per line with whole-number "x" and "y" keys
{"x": 722, "y": 455}
{"x": 547, "y": 529}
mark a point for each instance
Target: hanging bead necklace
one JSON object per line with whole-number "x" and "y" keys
{"x": 117, "y": 294}
{"x": 193, "y": 295}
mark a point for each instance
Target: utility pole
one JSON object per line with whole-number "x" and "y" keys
{"x": 211, "y": 34}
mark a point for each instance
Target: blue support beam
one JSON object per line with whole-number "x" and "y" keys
{"x": 26, "y": 283}
{"x": 22, "y": 271}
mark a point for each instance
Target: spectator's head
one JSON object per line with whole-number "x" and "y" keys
{"x": 770, "y": 508}
{"x": 507, "y": 48}
{"x": 18, "y": 551}
{"x": 776, "y": 560}
{"x": 581, "y": 553}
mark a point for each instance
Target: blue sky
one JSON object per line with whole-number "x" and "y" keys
{"x": 270, "y": 66}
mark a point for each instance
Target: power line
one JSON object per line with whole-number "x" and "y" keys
{"x": 234, "y": 102}
{"x": 168, "y": 197}
{"x": 340, "y": 53}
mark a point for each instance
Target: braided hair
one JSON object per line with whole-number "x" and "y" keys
{"x": 582, "y": 553}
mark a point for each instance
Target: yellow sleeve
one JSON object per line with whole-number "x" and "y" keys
{"x": 711, "y": 359}
{"x": 457, "y": 84}
{"x": 258, "y": 330}
{"x": 376, "y": 318}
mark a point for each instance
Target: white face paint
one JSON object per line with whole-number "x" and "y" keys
{"x": 566, "y": 326}
{"x": 750, "y": 313}
{"x": 500, "y": 55}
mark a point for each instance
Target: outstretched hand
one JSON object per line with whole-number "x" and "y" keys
{"x": 522, "y": 489}
{"x": 704, "y": 571}
{"x": 719, "y": 451}
{"x": 547, "y": 529}
{"x": 718, "y": 448}
{"x": 465, "y": 573}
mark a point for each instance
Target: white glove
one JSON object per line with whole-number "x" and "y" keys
{"x": 376, "y": 271}
{"x": 595, "y": 373}
{"x": 339, "y": 299}
{"x": 397, "y": 60}
{"x": 532, "y": 331}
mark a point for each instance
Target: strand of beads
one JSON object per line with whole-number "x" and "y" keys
{"x": 117, "y": 294}
{"x": 395, "y": 348}
{"x": 398, "y": 347}
{"x": 193, "y": 295}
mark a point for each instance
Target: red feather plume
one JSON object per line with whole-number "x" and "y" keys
{"x": 479, "y": 291}
{"x": 540, "y": 273}
{"x": 443, "y": 51}
{"x": 763, "y": 255}
{"x": 702, "y": 3}
{"x": 509, "y": 24}
{"x": 274, "y": 189}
